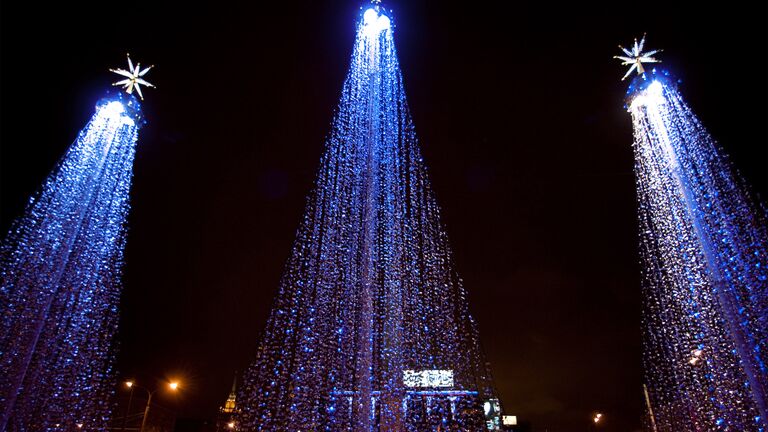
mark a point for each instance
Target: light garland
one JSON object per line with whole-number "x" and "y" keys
{"x": 60, "y": 281}
{"x": 370, "y": 290}
{"x": 703, "y": 244}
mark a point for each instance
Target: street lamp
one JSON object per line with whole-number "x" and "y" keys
{"x": 128, "y": 384}
{"x": 173, "y": 385}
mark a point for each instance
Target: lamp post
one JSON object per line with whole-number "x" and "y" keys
{"x": 128, "y": 384}
{"x": 173, "y": 385}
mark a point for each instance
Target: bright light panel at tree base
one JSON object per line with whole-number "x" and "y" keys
{"x": 703, "y": 244}
{"x": 370, "y": 289}
{"x": 60, "y": 270}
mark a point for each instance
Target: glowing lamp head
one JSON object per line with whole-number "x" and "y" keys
{"x": 655, "y": 89}
{"x": 114, "y": 108}
{"x": 375, "y": 22}
{"x": 370, "y": 16}
{"x": 121, "y": 108}
{"x": 174, "y": 385}
{"x": 652, "y": 95}
{"x": 384, "y": 23}
{"x": 129, "y": 384}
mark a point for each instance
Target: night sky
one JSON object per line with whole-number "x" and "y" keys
{"x": 519, "y": 109}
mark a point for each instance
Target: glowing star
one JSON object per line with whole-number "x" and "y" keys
{"x": 133, "y": 78}
{"x": 636, "y": 57}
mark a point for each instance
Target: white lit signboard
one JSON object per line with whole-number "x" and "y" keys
{"x": 509, "y": 420}
{"x": 428, "y": 378}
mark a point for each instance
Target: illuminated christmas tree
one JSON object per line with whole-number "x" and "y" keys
{"x": 60, "y": 277}
{"x": 704, "y": 249}
{"x": 370, "y": 328}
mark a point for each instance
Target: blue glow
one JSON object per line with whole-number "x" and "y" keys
{"x": 704, "y": 245}
{"x": 370, "y": 289}
{"x": 60, "y": 267}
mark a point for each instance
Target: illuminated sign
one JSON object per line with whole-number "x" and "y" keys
{"x": 509, "y": 420}
{"x": 428, "y": 378}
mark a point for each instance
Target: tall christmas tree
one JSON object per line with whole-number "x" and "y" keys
{"x": 370, "y": 328}
{"x": 705, "y": 252}
{"x": 60, "y": 277}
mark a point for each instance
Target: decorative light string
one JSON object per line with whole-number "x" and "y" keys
{"x": 370, "y": 290}
{"x": 60, "y": 272}
{"x": 704, "y": 250}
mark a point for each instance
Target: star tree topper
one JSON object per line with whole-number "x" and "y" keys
{"x": 133, "y": 78}
{"x": 636, "y": 57}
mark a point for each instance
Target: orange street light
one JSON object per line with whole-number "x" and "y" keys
{"x": 129, "y": 384}
{"x": 173, "y": 385}
{"x": 597, "y": 418}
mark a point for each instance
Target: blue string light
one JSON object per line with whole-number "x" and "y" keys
{"x": 370, "y": 289}
{"x": 703, "y": 244}
{"x": 60, "y": 281}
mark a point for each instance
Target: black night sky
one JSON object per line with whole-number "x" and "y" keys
{"x": 519, "y": 109}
